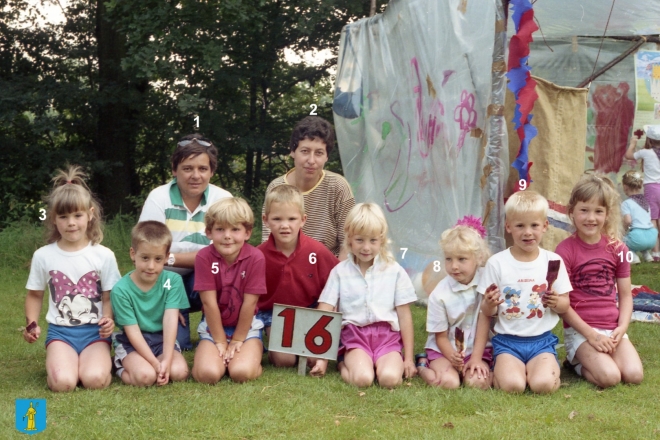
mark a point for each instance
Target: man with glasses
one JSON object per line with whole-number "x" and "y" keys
{"x": 181, "y": 205}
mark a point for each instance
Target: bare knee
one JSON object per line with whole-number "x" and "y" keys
{"x": 141, "y": 378}
{"x": 207, "y": 374}
{"x": 95, "y": 380}
{"x": 361, "y": 378}
{"x": 606, "y": 378}
{"x": 545, "y": 385}
{"x": 511, "y": 384}
{"x": 244, "y": 372}
{"x": 476, "y": 382}
{"x": 390, "y": 379}
{"x": 179, "y": 372}
{"x": 61, "y": 383}
{"x": 282, "y": 360}
{"x": 634, "y": 377}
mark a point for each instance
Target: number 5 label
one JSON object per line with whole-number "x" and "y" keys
{"x": 305, "y": 332}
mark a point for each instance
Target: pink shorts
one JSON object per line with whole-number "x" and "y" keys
{"x": 376, "y": 339}
{"x": 652, "y": 194}
{"x": 487, "y": 356}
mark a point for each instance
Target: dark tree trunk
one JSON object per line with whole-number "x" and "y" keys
{"x": 115, "y": 177}
{"x": 249, "y": 149}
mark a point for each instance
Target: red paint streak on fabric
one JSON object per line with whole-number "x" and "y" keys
{"x": 557, "y": 207}
{"x": 614, "y": 118}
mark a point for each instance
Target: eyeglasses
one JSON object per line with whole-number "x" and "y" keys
{"x": 199, "y": 141}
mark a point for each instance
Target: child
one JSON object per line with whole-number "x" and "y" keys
{"x": 373, "y": 292}
{"x": 642, "y": 235}
{"x": 598, "y": 267}
{"x": 79, "y": 273}
{"x": 651, "y": 156}
{"x": 454, "y": 348}
{"x": 297, "y": 267}
{"x": 146, "y": 304}
{"x": 524, "y": 347}
{"x": 230, "y": 275}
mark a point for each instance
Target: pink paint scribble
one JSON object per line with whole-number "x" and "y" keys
{"x": 390, "y": 186}
{"x": 428, "y": 128}
{"x": 445, "y": 76}
{"x": 614, "y": 117}
{"x": 466, "y": 116}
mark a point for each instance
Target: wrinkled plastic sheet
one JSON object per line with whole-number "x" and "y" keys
{"x": 419, "y": 118}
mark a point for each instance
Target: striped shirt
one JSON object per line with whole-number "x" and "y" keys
{"x": 326, "y": 205}
{"x": 165, "y": 205}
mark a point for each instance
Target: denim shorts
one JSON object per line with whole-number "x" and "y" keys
{"x": 524, "y": 348}
{"x": 78, "y": 337}
{"x": 123, "y": 347}
{"x": 266, "y": 317}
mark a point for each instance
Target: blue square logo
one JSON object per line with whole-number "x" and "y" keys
{"x": 30, "y": 415}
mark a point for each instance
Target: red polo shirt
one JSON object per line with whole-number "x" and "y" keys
{"x": 297, "y": 280}
{"x": 246, "y": 275}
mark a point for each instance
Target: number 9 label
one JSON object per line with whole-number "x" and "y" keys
{"x": 305, "y": 332}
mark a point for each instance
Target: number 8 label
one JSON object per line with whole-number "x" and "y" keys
{"x": 305, "y": 332}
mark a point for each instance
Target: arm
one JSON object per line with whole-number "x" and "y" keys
{"x": 631, "y": 148}
{"x": 476, "y": 363}
{"x": 134, "y": 335}
{"x": 595, "y": 339}
{"x": 625, "y": 308}
{"x": 106, "y": 323}
{"x": 214, "y": 320}
{"x": 448, "y": 351}
{"x": 33, "y": 302}
{"x": 185, "y": 259}
{"x": 170, "y": 319}
{"x": 321, "y": 365}
{"x": 408, "y": 338}
{"x": 559, "y": 303}
{"x": 243, "y": 327}
{"x": 627, "y": 221}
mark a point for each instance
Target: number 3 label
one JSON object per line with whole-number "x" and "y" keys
{"x": 305, "y": 332}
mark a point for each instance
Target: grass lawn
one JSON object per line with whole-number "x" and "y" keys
{"x": 282, "y": 404}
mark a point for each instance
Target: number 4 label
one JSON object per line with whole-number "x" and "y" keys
{"x": 305, "y": 332}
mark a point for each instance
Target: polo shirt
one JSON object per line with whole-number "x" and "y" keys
{"x": 245, "y": 275}
{"x": 165, "y": 204}
{"x": 372, "y": 298}
{"x": 296, "y": 280}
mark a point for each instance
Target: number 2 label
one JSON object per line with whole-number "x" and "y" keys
{"x": 313, "y": 112}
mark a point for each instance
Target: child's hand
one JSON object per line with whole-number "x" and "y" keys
{"x": 602, "y": 343}
{"x": 107, "y": 327}
{"x": 492, "y": 296}
{"x": 476, "y": 366}
{"x": 163, "y": 373}
{"x": 318, "y": 370}
{"x": 550, "y": 299}
{"x": 617, "y": 334}
{"x": 32, "y": 335}
{"x": 182, "y": 319}
{"x": 234, "y": 347}
{"x": 222, "y": 348}
{"x": 409, "y": 369}
{"x": 456, "y": 360}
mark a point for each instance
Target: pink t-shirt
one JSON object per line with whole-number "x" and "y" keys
{"x": 593, "y": 270}
{"x": 246, "y": 275}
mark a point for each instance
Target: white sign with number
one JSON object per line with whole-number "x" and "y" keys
{"x": 305, "y": 332}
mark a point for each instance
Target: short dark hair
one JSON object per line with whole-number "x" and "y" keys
{"x": 194, "y": 149}
{"x": 313, "y": 127}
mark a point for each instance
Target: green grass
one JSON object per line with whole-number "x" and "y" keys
{"x": 282, "y": 404}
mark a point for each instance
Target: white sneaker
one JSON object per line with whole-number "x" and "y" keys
{"x": 646, "y": 255}
{"x": 635, "y": 258}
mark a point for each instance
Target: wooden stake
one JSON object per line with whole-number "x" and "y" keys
{"x": 302, "y": 365}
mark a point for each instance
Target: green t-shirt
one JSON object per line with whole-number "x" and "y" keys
{"x": 146, "y": 309}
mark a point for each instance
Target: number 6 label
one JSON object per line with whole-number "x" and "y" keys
{"x": 305, "y": 332}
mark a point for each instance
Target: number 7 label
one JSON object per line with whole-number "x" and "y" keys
{"x": 305, "y": 332}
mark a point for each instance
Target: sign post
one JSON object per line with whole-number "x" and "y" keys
{"x": 305, "y": 333}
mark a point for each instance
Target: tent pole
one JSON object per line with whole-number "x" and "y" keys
{"x": 613, "y": 63}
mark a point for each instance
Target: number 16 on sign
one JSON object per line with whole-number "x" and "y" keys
{"x": 305, "y": 332}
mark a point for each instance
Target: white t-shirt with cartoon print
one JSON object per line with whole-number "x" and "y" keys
{"x": 452, "y": 306}
{"x": 521, "y": 285}
{"x": 73, "y": 281}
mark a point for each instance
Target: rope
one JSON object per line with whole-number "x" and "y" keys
{"x": 602, "y": 40}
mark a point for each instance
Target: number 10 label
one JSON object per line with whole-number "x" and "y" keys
{"x": 305, "y": 332}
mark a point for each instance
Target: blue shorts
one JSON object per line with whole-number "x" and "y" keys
{"x": 639, "y": 240}
{"x": 78, "y": 337}
{"x": 123, "y": 347}
{"x": 254, "y": 332}
{"x": 524, "y": 348}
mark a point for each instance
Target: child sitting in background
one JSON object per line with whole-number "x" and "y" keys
{"x": 79, "y": 273}
{"x": 297, "y": 266}
{"x": 373, "y": 292}
{"x": 146, "y": 304}
{"x": 601, "y": 300}
{"x": 642, "y": 235}
{"x": 457, "y": 348}
{"x": 524, "y": 346}
{"x": 230, "y": 275}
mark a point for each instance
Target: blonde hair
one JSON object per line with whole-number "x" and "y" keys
{"x": 285, "y": 194}
{"x": 633, "y": 179}
{"x": 231, "y": 211}
{"x": 71, "y": 194}
{"x": 465, "y": 239}
{"x": 526, "y": 202}
{"x": 368, "y": 219}
{"x": 602, "y": 188}
{"x": 153, "y": 232}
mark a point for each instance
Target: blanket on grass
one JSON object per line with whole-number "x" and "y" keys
{"x": 646, "y": 305}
